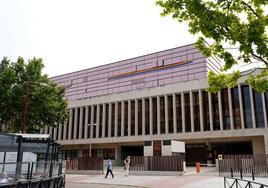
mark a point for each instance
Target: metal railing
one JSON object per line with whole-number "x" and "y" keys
{"x": 230, "y": 182}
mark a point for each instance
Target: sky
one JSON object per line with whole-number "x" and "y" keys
{"x": 71, "y": 35}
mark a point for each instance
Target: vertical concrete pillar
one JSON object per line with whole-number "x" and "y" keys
{"x": 136, "y": 117}
{"x": 103, "y": 120}
{"x": 65, "y": 126}
{"x": 55, "y": 133}
{"x": 158, "y": 115}
{"x": 252, "y": 107}
{"x": 116, "y": 119}
{"x": 86, "y": 123}
{"x": 122, "y": 118}
{"x": 166, "y": 114}
{"x": 174, "y": 113}
{"x": 210, "y": 111}
{"x": 98, "y": 121}
{"x": 70, "y": 124}
{"x": 183, "y": 112}
{"x": 266, "y": 142}
{"x": 60, "y": 130}
{"x": 143, "y": 116}
{"x": 220, "y": 110}
{"x": 110, "y": 120}
{"x": 129, "y": 118}
{"x": 75, "y": 123}
{"x": 192, "y": 111}
{"x": 201, "y": 110}
{"x": 264, "y": 104}
{"x": 80, "y": 123}
{"x": 231, "y": 108}
{"x": 151, "y": 114}
{"x": 241, "y": 106}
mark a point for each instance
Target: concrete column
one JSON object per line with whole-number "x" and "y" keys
{"x": 231, "y": 108}
{"x": 174, "y": 113}
{"x": 70, "y": 124}
{"x": 50, "y": 132}
{"x": 129, "y": 118}
{"x": 201, "y": 110}
{"x": 210, "y": 111}
{"x": 266, "y": 142}
{"x": 151, "y": 114}
{"x": 116, "y": 119}
{"x": 183, "y": 112}
{"x": 264, "y": 103}
{"x": 103, "y": 120}
{"x": 192, "y": 111}
{"x": 98, "y": 121}
{"x": 110, "y": 120}
{"x": 55, "y": 133}
{"x": 80, "y": 123}
{"x": 86, "y": 122}
{"x": 60, "y": 130}
{"x": 166, "y": 114}
{"x": 252, "y": 107}
{"x": 220, "y": 110}
{"x": 92, "y": 122}
{"x": 158, "y": 115}
{"x": 143, "y": 116}
{"x": 241, "y": 106}
{"x": 65, "y": 126}
{"x": 122, "y": 118}
{"x": 75, "y": 122}
{"x": 136, "y": 117}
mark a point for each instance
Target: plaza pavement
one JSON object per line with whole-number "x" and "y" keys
{"x": 205, "y": 179}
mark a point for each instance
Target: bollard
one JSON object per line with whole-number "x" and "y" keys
{"x": 232, "y": 174}
{"x": 241, "y": 175}
{"x": 253, "y": 177}
{"x": 197, "y": 167}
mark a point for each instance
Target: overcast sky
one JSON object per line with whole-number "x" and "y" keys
{"x": 72, "y": 35}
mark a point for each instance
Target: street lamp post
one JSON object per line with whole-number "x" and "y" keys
{"x": 26, "y": 101}
{"x": 91, "y": 125}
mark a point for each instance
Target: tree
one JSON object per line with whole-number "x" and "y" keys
{"x": 234, "y": 27}
{"x": 24, "y": 90}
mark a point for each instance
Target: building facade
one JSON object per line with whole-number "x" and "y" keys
{"x": 116, "y": 108}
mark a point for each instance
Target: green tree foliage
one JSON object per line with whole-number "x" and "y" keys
{"x": 239, "y": 25}
{"x": 23, "y": 83}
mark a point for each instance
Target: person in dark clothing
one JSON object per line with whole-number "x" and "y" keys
{"x": 109, "y": 168}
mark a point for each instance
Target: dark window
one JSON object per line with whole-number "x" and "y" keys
{"x": 132, "y": 124}
{"x": 215, "y": 111}
{"x": 113, "y": 121}
{"x": 100, "y": 123}
{"x": 154, "y": 115}
{"x": 225, "y": 109}
{"x": 88, "y": 121}
{"x": 205, "y": 104}
{"x": 258, "y": 109}
{"x": 67, "y": 128}
{"x": 178, "y": 113}
{"x": 126, "y": 119}
{"x": 139, "y": 117}
{"x": 83, "y": 122}
{"x": 247, "y": 107}
{"x": 162, "y": 115}
{"x": 72, "y": 131}
{"x": 94, "y": 127}
{"x": 119, "y": 119}
{"x": 106, "y": 119}
{"x": 147, "y": 143}
{"x": 147, "y": 117}
{"x": 266, "y": 103}
{"x": 170, "y": 115}
{"x": 166, "y": 142}
{"x": 187, "y": 112}
{"x": 196, "y": 111}
{"x": 236, "y": 108}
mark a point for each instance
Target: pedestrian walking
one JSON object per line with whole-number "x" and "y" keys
{"x": 109, "y": 168}
{"x": 127, "y": 165}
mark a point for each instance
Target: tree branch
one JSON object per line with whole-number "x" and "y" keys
{"x": 260, "y": 59}
{"x": 252, "y": 10}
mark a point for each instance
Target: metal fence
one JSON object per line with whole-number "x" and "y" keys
{"x": 239, "y": 183}
{"x": 157, "y": 163}
{"x": 84, "y": 163}
{"x": 31, "y": 175}
{"x": 246, "y": 164}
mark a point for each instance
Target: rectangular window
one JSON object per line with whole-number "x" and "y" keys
{"x": 88, "y": 121}
{"x": 113, "y": 121}
{"x": 162, "y": 115}
{"x": 225, "y": 109}
{"x": 106, "y": 119}
{"x": 83, "y": 122}
{"x": 178, "y": 113}
{"x": 139, "y": 117}
{"x": 170, "y": 114}
{"x": 259, "y": 115}
{"x": 147, "y": 117}
{"x": 205, "y": 104}
{"x": 100, "y": 123}
{"x": 196, "y": 111}
{"x": 215, "y": 111}
{"x": 236, "y": 108}
{"x": 187, "y": 112}
{"x": 132, "y": 124}
{"x": 126, "y": 119}
{"x": 154, "y": 115}
{"x": 119, "y": 119}
{"x": 247, "y": 107}
{"x": 78, "y": 123}
{"x": 72, "y": 131}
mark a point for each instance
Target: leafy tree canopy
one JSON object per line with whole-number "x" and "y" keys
{"x": 231, "y": 25}
{"x": 23, "y": 83}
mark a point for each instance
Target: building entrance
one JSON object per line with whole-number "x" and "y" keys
{"x": 131, "y": 151}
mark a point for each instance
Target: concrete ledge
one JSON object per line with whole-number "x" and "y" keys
{"x": 156, "y": 173}
{"x": 93, "y": 172}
